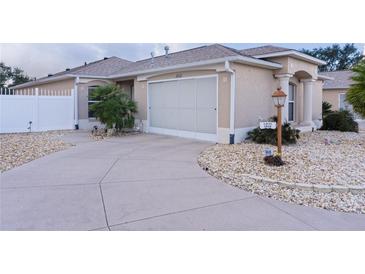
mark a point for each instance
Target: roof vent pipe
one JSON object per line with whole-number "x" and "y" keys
{"x": 152, "y": 56}
{"x": 106, "y": 58}
{"x": 167, "y": 51}
{"x": 67, "y": 69}
{"x": 49, "y": 75}
{"x": 85, "y": 64}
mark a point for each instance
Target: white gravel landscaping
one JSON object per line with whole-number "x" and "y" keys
{"x": 19, "y": 148}
{"x": 319, "y": 158}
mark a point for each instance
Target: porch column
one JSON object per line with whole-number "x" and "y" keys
{"x": 284, "y": 84}
{"x": 307, "y": 102}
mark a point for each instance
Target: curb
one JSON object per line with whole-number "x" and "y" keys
{"x": 311, "y": 187}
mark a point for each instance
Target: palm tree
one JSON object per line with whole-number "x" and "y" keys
{"x": 114, "y": 107}
{"x": 356, "y": 94}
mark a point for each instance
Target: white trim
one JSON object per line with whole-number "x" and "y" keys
{"x": 307, "y": 80}
{"x": 76, "y": 101}
{"x": 232, "y": 109}
{"x": 182, "y": 78}
{"x": 241, "y": 134}
{"x": 284, "y": 75}
{"x": 297, "y": 54}
{"x": 239, "y": 59}
{"x": 182, "y": 133}
{"x": 324, "y": 77}
{"x": 58, "y": 78}
{"x": 339, "y": 99}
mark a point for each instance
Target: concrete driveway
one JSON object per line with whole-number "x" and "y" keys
{"x": 144, "y": 182}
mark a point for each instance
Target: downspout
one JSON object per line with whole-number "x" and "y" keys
{"x": 76, "y": 102}
{"x": 232, "y": 102}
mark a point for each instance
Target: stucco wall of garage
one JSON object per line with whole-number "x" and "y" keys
{"x": 331, "y": 96}
{"x": 254, "y": 87}
{"x": 140, "y": 90}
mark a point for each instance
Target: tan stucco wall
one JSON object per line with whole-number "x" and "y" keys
{"x": 332, "y": 96}
{"x": 140, "y": 96}
{"x": 224, "y": 99}
{"x": 66, "y": 84}
{"x": 292, "y": 65}
{"x": 254, "y": 87}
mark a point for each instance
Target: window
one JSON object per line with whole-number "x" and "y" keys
{"x": 91, "y": 100}
{"x": 343, "y": 103}
{"x": 291, "y": 103}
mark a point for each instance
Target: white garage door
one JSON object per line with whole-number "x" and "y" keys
{"x": 186, "y": 108}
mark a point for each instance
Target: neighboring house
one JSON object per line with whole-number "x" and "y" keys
{"x": 211, "y": 92}
{"x": 335, "y": 89}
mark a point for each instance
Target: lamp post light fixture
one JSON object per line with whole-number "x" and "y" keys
{"x": 279, "y": 98}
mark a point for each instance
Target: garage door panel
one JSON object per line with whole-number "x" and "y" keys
{"x": 164, "y": 94}
{"x": 205, "y": 121}
{"x": 187, "y": 119}
{"x": 187, "y": 94}
{"x": 164, "y": 118}
{"x": 206, "y": 93}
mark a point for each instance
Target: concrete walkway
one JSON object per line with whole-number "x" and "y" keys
{"x": 144, "y": 182}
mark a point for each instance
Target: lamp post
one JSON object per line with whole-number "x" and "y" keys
{"x": 279, "y": 98}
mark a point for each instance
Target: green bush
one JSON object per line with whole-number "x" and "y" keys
{"x": 342, "y": 120}
{"x": 326, "y": 109}
{"x": 274, "y": 160}
{"x": 114, "y": 109}
{"x": 268, "y": 136}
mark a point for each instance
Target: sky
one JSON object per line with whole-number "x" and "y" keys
{"x": 38, "y": 60}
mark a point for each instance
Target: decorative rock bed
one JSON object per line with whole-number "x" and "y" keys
{"x": 19, "y": 148}
{"x": 324, "y": 169}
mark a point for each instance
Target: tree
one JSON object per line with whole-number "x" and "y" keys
{"x": 5, "y": 74}
{"x": 115, "y": 109}
{"x": 337, "y": 57}
{"x": 356, "y": 94}
{"x": 12, "y": 76}
{"x": 18, "y": 77}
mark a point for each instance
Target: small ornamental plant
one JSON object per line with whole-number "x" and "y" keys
{"x": 274, "y": 160}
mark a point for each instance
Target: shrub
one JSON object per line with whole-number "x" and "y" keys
{"x": 273, "y": 160}
{"x": 342, "y": 120}
{"x": 326, "y": 109}
{"x": 268, "y": 136}
{"x": 114, "y": 109}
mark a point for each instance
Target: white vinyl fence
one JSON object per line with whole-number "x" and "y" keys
{"x": 36, "y": 110}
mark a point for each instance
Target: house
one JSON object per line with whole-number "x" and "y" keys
{"x": 335, "y": 89}
{"x": 211, "y": 92}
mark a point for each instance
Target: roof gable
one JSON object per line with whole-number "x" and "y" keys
{"x": 263, "y": 50}
{"x": 342, "y": 79}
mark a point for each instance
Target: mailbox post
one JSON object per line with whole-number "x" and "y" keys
{"x": 279, "y": 98}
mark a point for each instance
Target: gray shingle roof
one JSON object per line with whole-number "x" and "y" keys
{"x": 203, "y": 53}
{"x": 342, "y": 79}
{"x": 102, "y": 67}
{"x": 263, "y": 50}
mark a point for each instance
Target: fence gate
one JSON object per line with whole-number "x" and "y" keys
{"x": 36, "y": 110}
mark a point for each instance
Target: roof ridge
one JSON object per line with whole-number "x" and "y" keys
{"x": 172, "y": 53}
